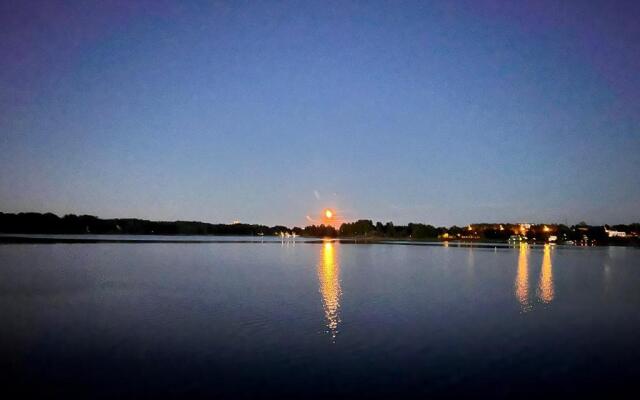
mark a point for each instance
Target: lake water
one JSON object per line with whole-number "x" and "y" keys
{"x": 324, "y": 320}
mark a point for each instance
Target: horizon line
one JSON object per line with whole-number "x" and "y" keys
{"x": 237, "y": 222}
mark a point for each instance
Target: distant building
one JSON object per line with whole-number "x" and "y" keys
{"x": 522, "y": 228}
{"x": 614, "y": 233}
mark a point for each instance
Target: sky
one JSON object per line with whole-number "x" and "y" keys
{"x": 267, "y": 112}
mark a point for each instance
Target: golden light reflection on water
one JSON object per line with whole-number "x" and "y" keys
{"x": 329, "y": 277}
{"x": 522, "y": 279}
{"x": 545, "y": 285}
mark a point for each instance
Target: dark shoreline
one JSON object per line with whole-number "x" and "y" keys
{"x": 20, "y": 239}
{"x": 37, "y": 239}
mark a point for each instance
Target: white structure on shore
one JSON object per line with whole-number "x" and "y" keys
{"x": 288, "y": 237}
{"x": 614, "y": 233}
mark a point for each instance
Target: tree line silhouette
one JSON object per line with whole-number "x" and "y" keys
{"x": 81, "y": 224}
{"x": 49, "y": 223}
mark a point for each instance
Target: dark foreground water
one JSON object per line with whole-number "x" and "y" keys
{"x": 227, "y": 320}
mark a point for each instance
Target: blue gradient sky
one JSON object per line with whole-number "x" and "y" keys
{"x": 266, "y": 112}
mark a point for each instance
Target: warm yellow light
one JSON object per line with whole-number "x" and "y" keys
{"x": 522, "y": 279}
{"x": 328, "y": 213}
{"x": 545, "y": 285}
{"x": 329, "y": 277}
{"x": 546, "y": 228}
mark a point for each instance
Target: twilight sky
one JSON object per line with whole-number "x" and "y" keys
{"x": 436, "y": 112}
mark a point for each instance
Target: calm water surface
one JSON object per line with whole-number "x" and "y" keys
{"x": 318, "y": 320}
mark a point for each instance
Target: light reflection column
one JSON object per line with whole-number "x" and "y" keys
{"x": 522, "y": 279}
{"x": 545, "y": 285}
{"x": 329, "y": 277}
